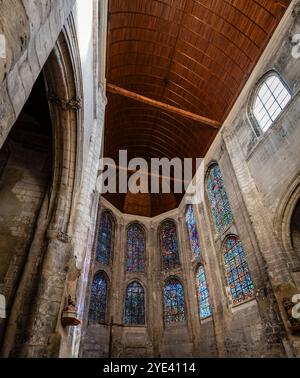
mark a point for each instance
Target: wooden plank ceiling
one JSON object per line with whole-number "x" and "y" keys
{"x": 195, "y": 55}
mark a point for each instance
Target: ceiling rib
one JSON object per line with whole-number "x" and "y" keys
{"x": 158, "y": 104}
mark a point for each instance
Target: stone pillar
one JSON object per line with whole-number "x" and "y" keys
{"x": 154, "y": 292}
{"x": 210, "y": 261}
{"x": 42, "y": 341}
{"x": 117, "y": 287}
{"x": 188, "y": 282}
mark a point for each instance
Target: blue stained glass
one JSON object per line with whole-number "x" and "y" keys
{"x": 135, "y": 304}
{"x": 98, "y": 301}
{"x": 173, "y": 302}
{"x": 104, "y": 244}
{"x": 193, "y": 232}
{"x": 202, "y": 294}
{"x": 237, "y": 271}
{"x": 135, "y": 248}
{"x": 220, "y": 206}
{"x": 169, "y": 245}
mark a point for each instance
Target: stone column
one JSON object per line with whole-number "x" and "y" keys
{"x": 42, "y": 341}
{"x": 188, "y": 282}
{"x": 117, "y": 287}
{"x": 154, "y": 292}
{"x": 210, "y": 262}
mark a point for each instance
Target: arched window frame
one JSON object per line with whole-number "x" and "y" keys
{"x": 199, "y": 301}
{"x": 161, "y": 226}
{"x": 195, "y": 254}
{"x": 106, "y": 316}
{"x": 165, "y": 284}
{"x": 227, "y": 283}
{"x": 259, "y": 131}
{"x": 142, "y": 228}
{"x": 226, "y": 227}
{"x": 131, "y": 282}
{"x": 113, "y": 222}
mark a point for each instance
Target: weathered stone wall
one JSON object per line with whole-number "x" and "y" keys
{"x": 21, "y": 191}
{"x": 28, "y": 45}
{"x": 155, "y": 339}
{"x": 60, "y": 240}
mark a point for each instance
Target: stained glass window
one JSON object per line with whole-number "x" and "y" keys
{"x": 218, "y": 198}
{"x": 173, "y": 302}
{"x": 193, "y": 232}
{"x": 237, "y": 270}
{"x": 202, "y": 294}
{"x": 135, "y": 304}
{"x": 97, "y": 310}
{"x": 104, "y": 244}
{"x": 270, "y": 101}
{"x": 135, "y": 248}
{"x": 169, "y": 245}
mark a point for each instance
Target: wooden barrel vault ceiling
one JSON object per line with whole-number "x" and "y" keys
{"x": 193, "y": 55}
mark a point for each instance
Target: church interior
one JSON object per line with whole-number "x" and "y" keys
{"x": 210, "y": 273}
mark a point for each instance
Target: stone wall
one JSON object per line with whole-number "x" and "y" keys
{"x": 60, "y": 38}
{"x": 155, "y": 339}
{"x": 28, "y": 45}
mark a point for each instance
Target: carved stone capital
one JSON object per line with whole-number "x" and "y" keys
{"x": 73, "y": 104}
{"x": 64, "y": 237}
{"x": 53, "y": 234}
{"x": 102, "y": 98}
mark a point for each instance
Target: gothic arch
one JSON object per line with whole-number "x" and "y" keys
{"x": 167, "y": 281}
{"x": 51, "y": 242}
{"x": 283, "y": 222}
{"x": 252, "y": 96}
{"x": 113, "y": 219}
{"x": 220, "y": 228}
{"x": 159, "y": 230}
{"x": 62, "y": 74}
{"x": 200, "y": 301}
{"x": 142, "y": 227}
{"x": 143, "y": 286}
{"x": 246, "y": 269}
{"x": 101, "y": 274}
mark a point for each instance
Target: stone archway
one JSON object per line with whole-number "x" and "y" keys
{"x": 33, "y": 328}
{"x": 287, "y": 225}
{"x": 295, "y": 229}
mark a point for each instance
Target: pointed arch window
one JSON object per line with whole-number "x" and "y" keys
{"x": 203, "y": 294}
{"x": 173, "y": 302}
{"x": 192, "y": 230}
{"x": 135, "y": 304}
{"x": 219, "y": 202}
{"x": 135, "y": 248}
{"x": 104, "y": 242}
{"x": 272, "y": 96}
{"x": 237, "y": 271}
{"x": 98, "y": 301}
{"x": 169, "y": 245}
